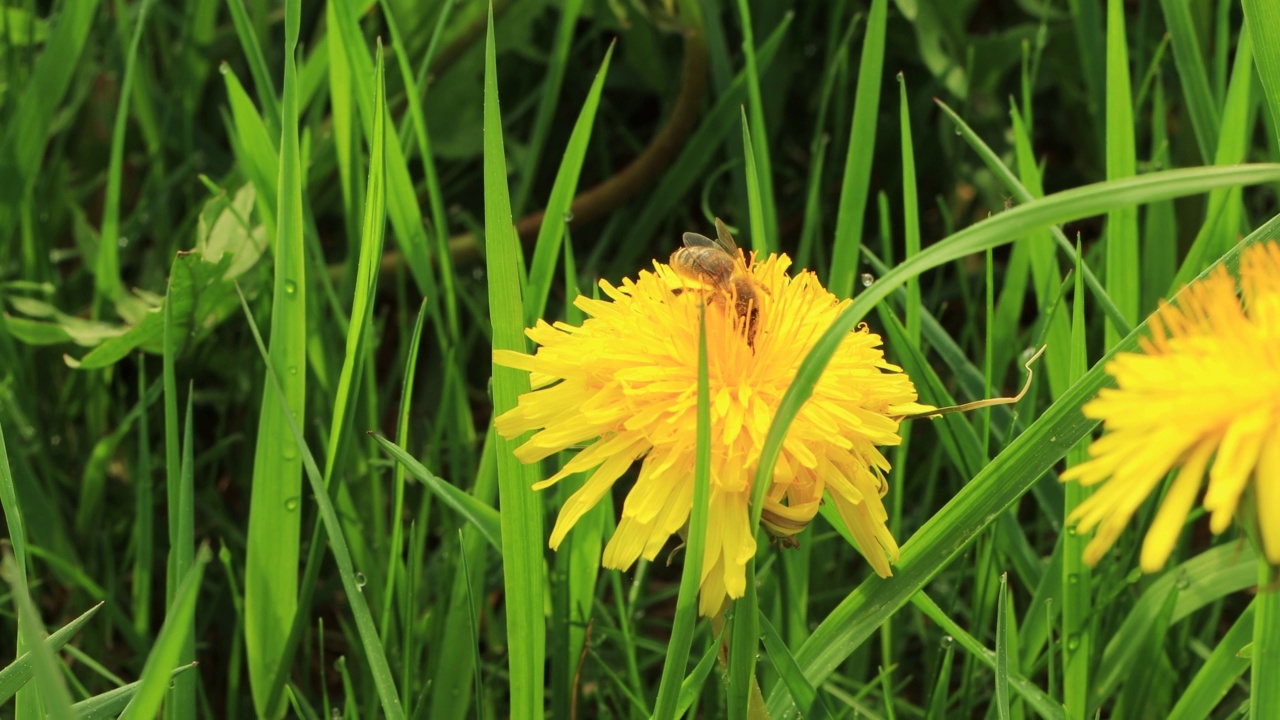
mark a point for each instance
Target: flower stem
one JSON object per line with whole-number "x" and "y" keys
{"x": 1265, "y": 691}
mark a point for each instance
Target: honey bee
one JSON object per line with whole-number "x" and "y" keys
{"x": 720, "y": 265}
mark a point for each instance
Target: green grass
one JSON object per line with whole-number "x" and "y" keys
{"x": 255, "y": 310}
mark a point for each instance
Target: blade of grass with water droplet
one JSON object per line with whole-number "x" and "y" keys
{"x": 272, "y": 548}
{"x": 1077, "y": 600}
{"x": 352, "y": 582}
{"x": 521, "y": 517}
{"x": 1042, "y": 703}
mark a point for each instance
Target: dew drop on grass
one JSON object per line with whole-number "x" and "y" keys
{"x": 947, "y": 642}
{"x": 290, "y": 287}
{"x": 291, "y": 504}
{"x": 224, "y": 68}
{"x": 1073, "y": 579}
{"x": 568, "y": 217}
{"x": 868, "y": 279}
{"x": 1183, "y": 582}
{"x": 1073, "y": 641}
{"x": 293, "y": 369}
{"x": 361, "y": 581}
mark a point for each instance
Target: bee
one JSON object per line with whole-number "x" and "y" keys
{"x": 720, "y": 265}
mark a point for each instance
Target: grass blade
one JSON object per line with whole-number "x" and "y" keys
{"x": 1262, "y": 19}
{"x": 482, "y": 516}
{"x": 1192, "y": 75}
{"x": 758, "y": 147}
{"x": 554, "y": 220}
{"x": 856, "y": 183}
{"x": 1077, "y": 600}
{"x": 677, "y": 656}
{"x": 353, "y": 587}
{"x": 522, "y": 538}
{"x": 271, "y": 561}
{"x": 15, "y": 675}
{"x": 176, "y": 634}
{"x": 360, "y": 330}
{"x": 1220, "y": 671}
{"x": 805, "y": 696}
{"x": 1123, "y": 275}
{"x": 51, "y": 688}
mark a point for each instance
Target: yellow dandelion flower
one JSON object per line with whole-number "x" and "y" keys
{"x": 1202, "y": 396}
{"x": 624, "y": 384}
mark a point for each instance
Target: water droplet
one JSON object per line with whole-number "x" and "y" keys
{"x": 1183, "y": 582}
{"x": 947, "y": 642}
{"x": 173, "y": 684}
{"x": 568, "y": 216}
{"x": 1073, "y": 642}
{"x": 123, "y": 242}
{"x": 293, "y": 369}
{"x": 361, "y": 581}
{"x": 291, "y": 504}
{"x": 867, "y": 279}
{"x": 1071, "y": 531}
{"x": 224, "y": 68}
{"x": 290, "y": 287}
{"x": 1073, "y": 579}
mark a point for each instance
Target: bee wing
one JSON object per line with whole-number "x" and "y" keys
{"x": 692, "y": 239}
{"x": 724, "y": 240}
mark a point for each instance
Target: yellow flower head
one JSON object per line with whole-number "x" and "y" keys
{"x": 624, "y": 384}
{"x": 1206, "y": 387}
